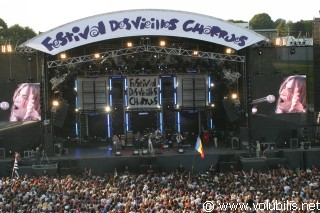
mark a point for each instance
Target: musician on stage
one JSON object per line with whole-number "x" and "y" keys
{"x": 116, "y": 141}
{"x": 157, "y": 133}
{"x": 38, "y": 156}
{"x": 150, "y": 145}
{"x": 138, "y": 139}
{"x": 179, "y": 138}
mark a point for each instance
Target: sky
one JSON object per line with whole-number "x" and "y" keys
{"x": 42, "y": 15}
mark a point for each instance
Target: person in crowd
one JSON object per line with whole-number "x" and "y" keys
{"x": 292, "y": 95}
{"x": 15, "y": 170}
{"x": 159, "y": 191}
{"x": 26, "y": 103}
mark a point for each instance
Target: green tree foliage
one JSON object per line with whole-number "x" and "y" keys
{"x": 279, "y": 21}
{"x": 309, "y": 28}
{"x": 3, "y": 25}
{"x": 15, "y": 35}
{"x": 282, "y": 29}
{"x": 298, "y": 29}
{"x": 261, "y": 21}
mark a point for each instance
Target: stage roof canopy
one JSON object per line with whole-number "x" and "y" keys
{"x": 153, "y": 22}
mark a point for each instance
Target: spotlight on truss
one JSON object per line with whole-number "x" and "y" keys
{"x": 232, "y": 77}
{"x": 56, "y": 81}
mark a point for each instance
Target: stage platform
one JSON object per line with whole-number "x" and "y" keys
{"x": 101, "y": 160}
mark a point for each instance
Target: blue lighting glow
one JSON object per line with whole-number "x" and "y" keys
{"x": 77, "y": 130}
{"x": 178, "y": 120}
{"x": 127, "y": 121}
{"x": 108, "y": 126}
{"x": 161, "y": 121}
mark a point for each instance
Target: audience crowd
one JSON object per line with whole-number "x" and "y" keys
{"x": 179, "y": 191}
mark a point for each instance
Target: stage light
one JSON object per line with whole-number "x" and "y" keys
{"x": 144, "y": 152}
{"x": 63, "y": 56}
{"x": 195, "y": 52}
{"x": 96, "y": 55}
{"x": 254, "y": 110}
{"x": 129, "y": 44}
{"x": 229, "y": 51}
{"x": 55, "y": 103}
{"x": 118, "y": 153}
{"x": 108, "y": 109}
{"x": 292, "y": 50}
{"x": 260, "y": 51}
{"x": 180, "y": 151}
{"x": 162, "y": 43}
{"x": 9, "y": 48}
{"x": 234, "y": 96}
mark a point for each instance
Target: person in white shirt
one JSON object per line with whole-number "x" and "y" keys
{"x": 179, "y": 139}
{"x": 150, "y": 145}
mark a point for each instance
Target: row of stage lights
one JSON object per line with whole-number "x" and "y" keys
{"x": 162, "y": 43}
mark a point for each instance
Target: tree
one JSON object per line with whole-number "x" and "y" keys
{"x": 309, "y": 28}
{"x": 282, "y": 29}
{"x": 261, "y": 21}
{"x": 3, "y": 26}
{"x": 16, "y": 34}
{"x": 279, "y": 21}
{"x": 298, "y": 29}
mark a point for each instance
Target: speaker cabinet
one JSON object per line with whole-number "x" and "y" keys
{"x": 48, "y": 144}
{"x": 45, "y": 170}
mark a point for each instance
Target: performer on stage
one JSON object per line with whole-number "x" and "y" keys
{"x": 15, "y": 169}
{"x": 150, "y": 145}
{"x": 138, "y": 139}
{"x": 179, "y": 138}
{"x": 157, "y": 133}
{"x": 116, "y": 141}
{"x": 38, "y": 156}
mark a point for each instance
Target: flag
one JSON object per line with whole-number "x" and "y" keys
{"x": 199, "y": 147}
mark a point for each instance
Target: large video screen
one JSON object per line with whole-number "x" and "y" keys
{"x": 20, "y": 102}
{"x": 279, "y": 82}
{"x": 281, "y": 91}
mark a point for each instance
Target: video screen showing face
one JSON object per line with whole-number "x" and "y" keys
{"x": 20, "y": 102}
{"x": 279, "y": 82}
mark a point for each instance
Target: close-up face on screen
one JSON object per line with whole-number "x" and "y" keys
{"x": 277, "y": 87}
{"x": 21, "y": 102}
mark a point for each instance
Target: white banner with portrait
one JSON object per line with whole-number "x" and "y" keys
{"x": 142, "y": 92}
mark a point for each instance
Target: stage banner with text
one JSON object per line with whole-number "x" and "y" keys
{"x": 142, "y": 92}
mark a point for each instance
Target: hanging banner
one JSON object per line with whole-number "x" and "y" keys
{"x": 142, "y": 92}
{"x": 141, "y": 23}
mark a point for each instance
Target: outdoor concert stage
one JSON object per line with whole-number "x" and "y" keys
{"x": 101, "y": 160}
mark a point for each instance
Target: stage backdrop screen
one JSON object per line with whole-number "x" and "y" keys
{"x": 143, "y": 92}
{"x": 20, "y": 102}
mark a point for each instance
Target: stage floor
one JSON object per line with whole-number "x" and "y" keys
{"x": 101, "y": 160}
